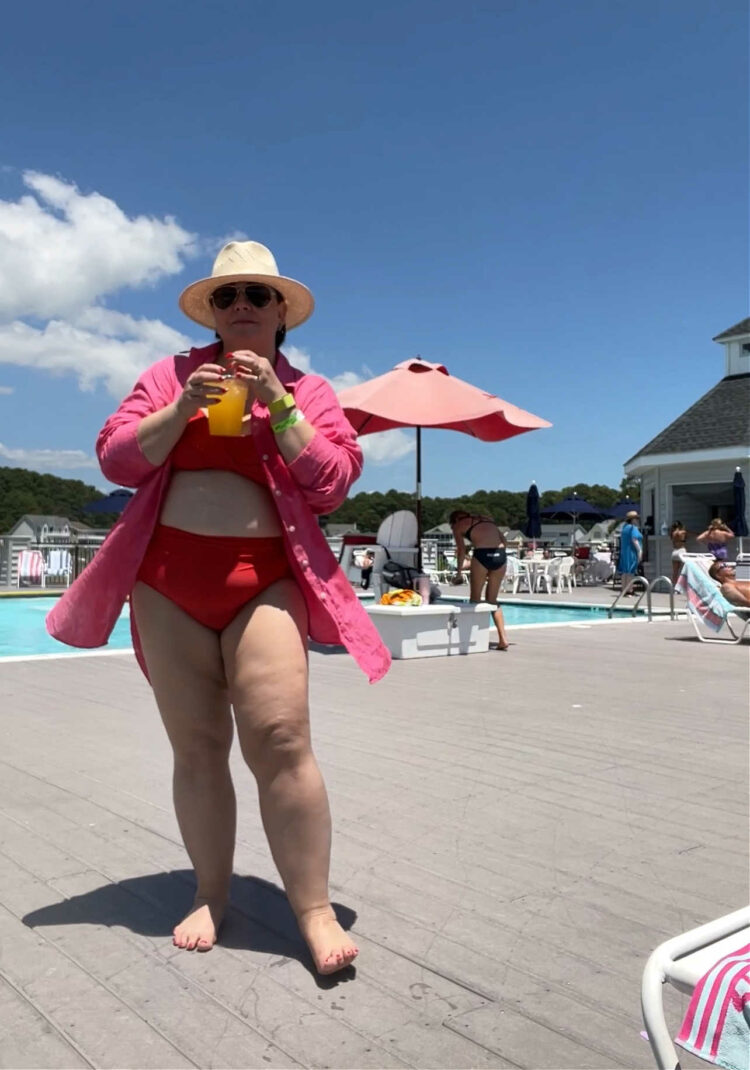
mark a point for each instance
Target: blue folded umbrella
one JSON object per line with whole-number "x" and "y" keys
{"x": 533, "y": 529}
{"x": 739, "y": 527}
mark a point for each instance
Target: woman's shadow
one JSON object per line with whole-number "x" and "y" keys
{"x": 259, "y": 918}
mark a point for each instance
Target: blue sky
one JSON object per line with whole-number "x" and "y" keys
{"x": 550, "y": 198}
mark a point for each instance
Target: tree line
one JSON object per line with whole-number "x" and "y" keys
{"x": 508, "y": 508}
{"x": 23, "y": 491}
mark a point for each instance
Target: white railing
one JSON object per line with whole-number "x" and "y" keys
{"x": 62, "y": 561}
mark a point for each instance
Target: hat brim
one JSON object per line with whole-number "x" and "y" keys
{"x": 194, "y": 299}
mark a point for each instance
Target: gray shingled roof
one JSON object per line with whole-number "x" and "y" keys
{"x": 719, "y": 419}
{"x": 743, "y": 327}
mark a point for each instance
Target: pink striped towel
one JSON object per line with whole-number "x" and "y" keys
{"x": 30, "y": 566}
{"x": 717, "y": 1023}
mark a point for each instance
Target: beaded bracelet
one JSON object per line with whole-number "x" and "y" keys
{"x": 295, "y": 418}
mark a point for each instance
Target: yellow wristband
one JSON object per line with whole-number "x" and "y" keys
{"x": 281, "y": 404}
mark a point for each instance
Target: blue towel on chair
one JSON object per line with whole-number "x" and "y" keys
{"x": 704, "y": 595}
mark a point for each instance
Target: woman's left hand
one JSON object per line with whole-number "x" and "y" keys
{"x": 258, "y": 373}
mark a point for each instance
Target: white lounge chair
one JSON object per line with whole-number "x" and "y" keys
{"x": 682, "y": 962}
{"x": 706, "y": 605}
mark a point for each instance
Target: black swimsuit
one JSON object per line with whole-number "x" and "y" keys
{"x": 491, "y": 559}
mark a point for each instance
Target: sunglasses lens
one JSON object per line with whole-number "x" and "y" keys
{"x": 257, "y": 295}
{"x": 224, "y": 296}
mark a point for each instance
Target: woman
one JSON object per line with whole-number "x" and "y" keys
{"x": 488, "y": 561}
{"x": 678, "y": 534}
{"x": 228, "y": 573}
{"x": 716, "y": 536}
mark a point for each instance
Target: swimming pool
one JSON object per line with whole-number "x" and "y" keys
{"x": 22, "y": 631}
{"x": 523, "y": 614}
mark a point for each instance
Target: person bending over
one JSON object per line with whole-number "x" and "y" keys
{"x": 488, "y": 562}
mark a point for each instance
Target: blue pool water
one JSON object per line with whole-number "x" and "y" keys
{"x": 22, "y": 628}
{"x": 533, "y": 613}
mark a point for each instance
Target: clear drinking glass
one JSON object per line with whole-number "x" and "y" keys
{"x": 225, "y": 417}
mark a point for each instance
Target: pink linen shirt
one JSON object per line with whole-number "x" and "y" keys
{"x": 316, "y": 481}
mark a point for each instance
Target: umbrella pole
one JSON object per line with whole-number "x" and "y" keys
{"x": 419, "y": 498}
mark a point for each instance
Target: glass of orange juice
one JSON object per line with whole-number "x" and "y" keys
{"x": 225, "y": 417}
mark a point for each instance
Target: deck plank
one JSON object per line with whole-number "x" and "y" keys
{"x": 513, "y": 835}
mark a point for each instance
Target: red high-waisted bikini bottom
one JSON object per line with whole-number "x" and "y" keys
{"x": 211, "y": 577}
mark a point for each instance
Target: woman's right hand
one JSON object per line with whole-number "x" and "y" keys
{"x": 203, "y": 387}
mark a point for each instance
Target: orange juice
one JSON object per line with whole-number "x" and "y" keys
{"x": 225, "y": 417}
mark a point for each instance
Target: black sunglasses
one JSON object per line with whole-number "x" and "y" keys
{"x": 256, "y": 293}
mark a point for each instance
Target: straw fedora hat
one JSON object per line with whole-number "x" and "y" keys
{"x": 246, "y": 261}
{"x": 632, "y": 515}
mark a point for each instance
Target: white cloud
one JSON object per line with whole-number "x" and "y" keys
{"x": 49, "y": 459}
{"x": 385, "y": 447}
{"x": 62, "y": 250}
{"x": 99, "y": 346}
{"x": 382, "y": 448}
{"x": 61, "y": 253}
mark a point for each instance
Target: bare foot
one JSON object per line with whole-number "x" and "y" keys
{"x": 502, "y": 646}
{"x": 331, "y": 948}
{"x": 198, "y": 931}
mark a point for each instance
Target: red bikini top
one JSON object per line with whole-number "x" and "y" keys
{"x": 197, "y": 449}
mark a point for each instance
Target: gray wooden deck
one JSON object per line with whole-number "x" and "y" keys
{"x": 513, "y": 834}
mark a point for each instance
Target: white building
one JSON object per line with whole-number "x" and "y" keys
{"x": 686, "y": 471}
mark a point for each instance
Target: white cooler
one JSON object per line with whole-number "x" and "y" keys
{"x": 432, "y": 631}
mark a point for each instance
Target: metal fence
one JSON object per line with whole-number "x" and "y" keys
{"x": 52, "y": 564}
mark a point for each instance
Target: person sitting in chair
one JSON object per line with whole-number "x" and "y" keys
{"x": 368, "y": 560}
{"x": 736, "y": 592}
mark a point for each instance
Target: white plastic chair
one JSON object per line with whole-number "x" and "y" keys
{"x": 545, "y": 574}
{"x": 453, "y": 569}
{"x": 516, "y": 573}
{"x": 563, "y": 577}
{"x": 729, "y": 611}
{"x": 681, "y": 962}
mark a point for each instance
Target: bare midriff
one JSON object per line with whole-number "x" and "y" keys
{"x": 212, "y": 502}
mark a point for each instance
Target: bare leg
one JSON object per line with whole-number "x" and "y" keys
{"x": 676, "y": 570}
{"x": 184, "y": 663}
{"x": 494, "y": 581}
{"x": 265, "y": 654}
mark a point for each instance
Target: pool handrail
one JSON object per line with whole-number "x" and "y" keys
{"x": 648, "y": 588}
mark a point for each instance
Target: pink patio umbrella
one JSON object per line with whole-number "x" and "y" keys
{"x": 418, "y": 394}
